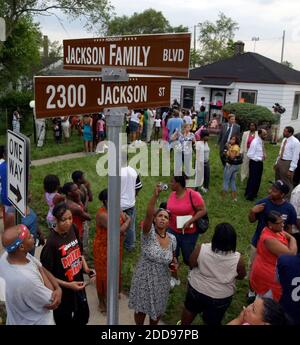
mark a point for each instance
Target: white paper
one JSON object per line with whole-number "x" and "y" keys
{"x": 181, "y": 220}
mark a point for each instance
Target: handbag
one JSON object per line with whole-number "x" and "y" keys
{"x": 202, "y": 223}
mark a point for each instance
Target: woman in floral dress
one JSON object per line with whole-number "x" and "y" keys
{"x": 151, "y": 280}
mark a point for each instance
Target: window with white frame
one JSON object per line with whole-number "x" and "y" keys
{"x": 248, "y": 96}
{"x": 296, "y": 106}
{"x": 187, "y": 97}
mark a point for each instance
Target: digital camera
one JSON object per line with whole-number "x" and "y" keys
{"x": 163, "y": 186}
{"x": 278, "y": 108}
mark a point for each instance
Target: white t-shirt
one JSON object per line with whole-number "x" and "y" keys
{"x": 128, "y": 186}
{"x": 187, "y": 119}
{"x": 25, "y": 293}
{"x": 66, "y": 122}
{"x": 157, "y": 122}
{"x": 134, "y": 117}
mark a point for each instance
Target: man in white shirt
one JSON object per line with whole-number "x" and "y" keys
{"x": 31, "y": 292}
{"x": 130, "y": 186}
{"x": 256, "y": 155}
{"x": 150, "y": 124}
{"x": 288, "y": 157}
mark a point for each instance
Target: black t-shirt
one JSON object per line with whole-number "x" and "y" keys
{"x": 62, "y": 256}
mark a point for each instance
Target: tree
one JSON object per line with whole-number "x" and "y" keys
{"x": 216, "y": 40}
{"x": 288, "y": 64}
{"x": 55, "y": 52}
{"x": 20, "y": 53}
{"x": 147, "y": 22}
{"x": 247, "y": 112}
{"x": 96, "y": 12}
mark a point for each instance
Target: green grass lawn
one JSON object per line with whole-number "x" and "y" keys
{"x": 219, "y": 211}
{"x": 50, "y": 148}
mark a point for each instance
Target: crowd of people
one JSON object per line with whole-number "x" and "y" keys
{"x": 170, "y": 232}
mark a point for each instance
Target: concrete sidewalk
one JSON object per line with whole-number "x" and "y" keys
{"x": 68, "y": 156}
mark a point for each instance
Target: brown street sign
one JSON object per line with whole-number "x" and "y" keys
{"x": 162, "y": 54}
{"x": 58, "y": 96}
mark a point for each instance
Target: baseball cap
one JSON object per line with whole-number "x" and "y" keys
{"x": 281, "y": 186}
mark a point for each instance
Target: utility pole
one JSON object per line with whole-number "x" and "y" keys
{"x": 195, "y": 26}
{"x": 255, "y": 39}
{"x": 194, "y": 64}
{"x": 282, "y": 47}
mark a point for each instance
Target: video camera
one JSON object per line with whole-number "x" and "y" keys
{"x": 278, "y": 108}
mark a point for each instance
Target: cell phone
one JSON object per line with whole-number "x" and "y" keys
{"x": 91, "y": 273}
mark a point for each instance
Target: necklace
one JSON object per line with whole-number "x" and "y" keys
{"x": 160, "y": 235}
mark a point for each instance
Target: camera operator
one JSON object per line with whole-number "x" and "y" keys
{"x": 278, "y": 111}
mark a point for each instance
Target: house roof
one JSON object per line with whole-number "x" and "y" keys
{"x": 248, "y": 68}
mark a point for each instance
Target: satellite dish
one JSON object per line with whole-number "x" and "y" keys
{"x": 32, "y": 104}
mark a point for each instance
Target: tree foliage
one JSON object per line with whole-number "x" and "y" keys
{"x": 20, "y": 55}
{"x": 216, "y": 40}
{"x": 95, "y": 12}
{"x": 287, "y": 63}
{"x": 147, "y": 22}
{"x": 248, "y": 112}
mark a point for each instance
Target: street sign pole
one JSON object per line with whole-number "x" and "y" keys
{"x": 114, "y": 120}
{"x": 114, "y": 123}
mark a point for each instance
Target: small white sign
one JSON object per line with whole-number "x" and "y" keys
{"x": 17, "y": 170}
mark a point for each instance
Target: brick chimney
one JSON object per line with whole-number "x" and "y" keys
{"x": 239, "y": 48}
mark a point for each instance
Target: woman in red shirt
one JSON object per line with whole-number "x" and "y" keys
{"x": 185, "y": 206}
{"x": 273, "y": 242}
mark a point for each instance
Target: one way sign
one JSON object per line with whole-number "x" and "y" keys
{"x": 17, "y": 170}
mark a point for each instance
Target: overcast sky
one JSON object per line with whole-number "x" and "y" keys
{"x": 265, "y": 19}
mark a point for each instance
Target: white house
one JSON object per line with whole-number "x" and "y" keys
{"x": 250, "y": 76}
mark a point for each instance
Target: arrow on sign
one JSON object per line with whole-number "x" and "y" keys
{"x": 16, "y": 191}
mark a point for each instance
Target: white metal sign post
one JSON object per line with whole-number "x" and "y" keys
{"x": 17, "y": 170}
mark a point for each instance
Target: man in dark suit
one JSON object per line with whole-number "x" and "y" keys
{"x": 228, "y": 130}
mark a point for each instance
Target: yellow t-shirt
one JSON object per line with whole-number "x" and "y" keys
{"x": 142, "y": 120}
{"x": 233, "y": 148}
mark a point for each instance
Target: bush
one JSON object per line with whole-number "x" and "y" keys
{"x": 247, "y": 112}
{"x": 10, "y": 101}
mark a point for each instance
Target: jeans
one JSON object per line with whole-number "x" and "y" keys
{"x": 229, "y": 177}
{"x": 74, "y": 309}
{"x": 212, "y": 309}
{"x": 186, "y": 159}
{"x": 129, "y": 242}
{"x": 186, "y": 243}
